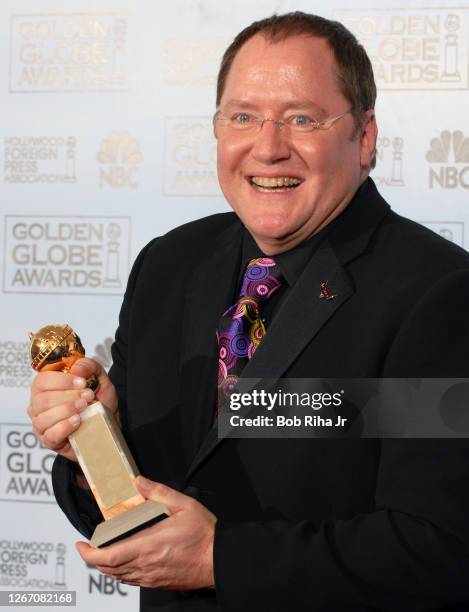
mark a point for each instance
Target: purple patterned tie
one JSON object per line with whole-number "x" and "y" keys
{"x": 241, "y": 328}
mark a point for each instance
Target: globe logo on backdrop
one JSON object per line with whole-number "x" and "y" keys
{"x": 25, "y": 465}
{"x": 389, "y": 171}
{"x": 80, "y": 52}
{"x": 413, "y": 48}
{"x": 190, "y": 152}
{"x": 66, "y": 254}
{"x": 190, "y": 61}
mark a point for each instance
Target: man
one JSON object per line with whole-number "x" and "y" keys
{"x": 283, "y": 524}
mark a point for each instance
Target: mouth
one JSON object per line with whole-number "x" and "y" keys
{"x": 275, "y": 184}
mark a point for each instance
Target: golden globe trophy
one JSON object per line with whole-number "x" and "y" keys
{"x": 101, "y": 450}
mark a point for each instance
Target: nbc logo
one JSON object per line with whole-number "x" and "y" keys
{"x": 447, "y": 154}
{"x": 119, "y": 155}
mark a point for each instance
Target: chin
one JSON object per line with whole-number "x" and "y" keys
{"x": 269, "y": 225}
{"x": 266, "y": 238}
{"x": 266, "y": 232}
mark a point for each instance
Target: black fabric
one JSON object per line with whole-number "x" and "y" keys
{"x": 318, "y": 525}
{"x": 291, "y": 264}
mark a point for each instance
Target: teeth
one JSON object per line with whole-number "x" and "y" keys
{"x": 278, "y": 181}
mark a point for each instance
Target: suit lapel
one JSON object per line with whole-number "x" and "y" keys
{"x": 208, "y": 294}
{"x": 299, "y": 319}
{"x": 301, "y": 316}
{"x": 304, "y": 312}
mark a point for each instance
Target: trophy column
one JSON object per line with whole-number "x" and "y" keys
{"x": 99, "y": 445}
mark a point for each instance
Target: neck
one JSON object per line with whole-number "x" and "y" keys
{"x": 275, "y": 246}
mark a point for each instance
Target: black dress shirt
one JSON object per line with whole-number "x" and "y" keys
{"x": 291, "y": 265}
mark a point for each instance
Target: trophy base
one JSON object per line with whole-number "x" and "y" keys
{"x": 127, "y": 523}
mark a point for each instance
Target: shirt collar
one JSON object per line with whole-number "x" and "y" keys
{"x": 291, "y": 263}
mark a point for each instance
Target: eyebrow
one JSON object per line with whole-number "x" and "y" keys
{"x": 298, "y": 104}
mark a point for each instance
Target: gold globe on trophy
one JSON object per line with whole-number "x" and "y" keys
{"x": 56, "y": 348}
{"x": 99, "y": 445}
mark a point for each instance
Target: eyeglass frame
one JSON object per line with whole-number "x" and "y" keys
{"x": 317, "y": 125}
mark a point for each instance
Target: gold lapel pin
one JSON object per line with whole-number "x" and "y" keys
{"x": 326, "y": 293}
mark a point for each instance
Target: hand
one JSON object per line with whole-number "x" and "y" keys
{"x": 176, "y": 553}
{"x": 58, "y": 398}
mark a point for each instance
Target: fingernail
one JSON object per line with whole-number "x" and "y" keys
{"x": 81, "y": 404}
{"x": 79, "y": 382}
{"x": 87, "y": 394}
{"x": 75, "y": 420}
{"x": 144, "y": 483}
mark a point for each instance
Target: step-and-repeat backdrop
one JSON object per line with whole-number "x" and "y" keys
{"x": 106, "y": 142}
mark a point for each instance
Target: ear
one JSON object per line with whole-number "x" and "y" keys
{"x": 368, "y": 136}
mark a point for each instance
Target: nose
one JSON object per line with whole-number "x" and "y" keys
{"x": 270, "y": 144}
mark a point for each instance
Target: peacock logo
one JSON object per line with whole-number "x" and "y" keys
{"x": 449, "y": 158}
{"x": 119, "y": 156}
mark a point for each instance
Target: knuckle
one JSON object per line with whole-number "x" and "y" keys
{"x": 68, "y": 409}
{"x": 39, "y": 382}
{"x": 38, "y": 430}
{"x": 42, "y": 402}
{"x": 192, "y": 503}
{"x": 112, "y": 560}
{"x": 164, "y": 553}
{"x": 38, "y": 424}
{"x": 34, "y": 384}
{"x": 32, "y": 407}
{"x": 37, "y": 433}
{"x": 37, "y": 415}
{"x": 162, "y": 489}
{"x": 47, "y": 438}
{"x": 42, "y": 440}
{"x": 51, "y": 437}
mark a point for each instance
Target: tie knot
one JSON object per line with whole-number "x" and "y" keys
{"x": 261, "y": 278}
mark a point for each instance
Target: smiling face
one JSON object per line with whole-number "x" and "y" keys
{"x": 286, "y": 187}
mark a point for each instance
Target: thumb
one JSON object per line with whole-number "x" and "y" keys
{"x": 158, "y": 492}
{"x": 87, "y": 367}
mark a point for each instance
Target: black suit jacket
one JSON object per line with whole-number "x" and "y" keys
{"x": 303, "y": 524}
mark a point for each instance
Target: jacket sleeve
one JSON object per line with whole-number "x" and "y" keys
{"x": 78, "y": 504}
{"x": 411, "y": 552}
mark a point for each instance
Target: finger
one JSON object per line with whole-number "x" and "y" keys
{"x": 46, "y": 400}
{"x": 56, "y": 436}
{"x": 134, "y": 579}
{"x": 116, "y": 572}
{"x": 65, "y": 449}
{"x": 56, "y": 381}
{"x": 89, "y": 554}
{"x": 173, "y": 500}
{"x": 113, "y": 556}
{"x": 54, "y": 415}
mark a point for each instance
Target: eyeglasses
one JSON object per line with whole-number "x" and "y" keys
{"x": 295, "y": 125}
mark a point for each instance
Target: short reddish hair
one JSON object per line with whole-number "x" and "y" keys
{"x": 355, "y": 72}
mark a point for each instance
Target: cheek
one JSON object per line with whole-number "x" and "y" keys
{"x": 321, "y": 155}
{"x": 332, "y": 161}
{"x": 226, "y": 158}
{"x": 229, "y": 160}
